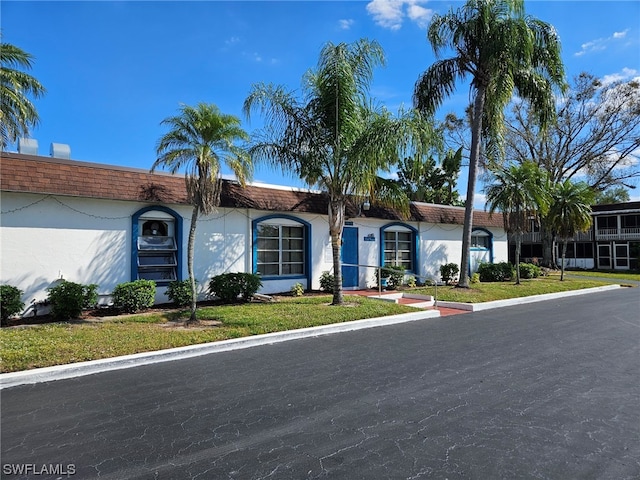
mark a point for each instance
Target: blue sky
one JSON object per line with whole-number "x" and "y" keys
{"x": 114, "y": 70}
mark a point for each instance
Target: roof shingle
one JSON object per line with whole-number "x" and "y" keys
{"x": 45, "y": 175}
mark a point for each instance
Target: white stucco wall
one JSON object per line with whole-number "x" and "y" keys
{"x": 45, "y": 238}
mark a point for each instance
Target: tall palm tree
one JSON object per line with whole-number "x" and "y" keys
{"x": 17, "y": 113}
{"x": 570, "y": 212}
{"x": 334, "y": 137}
{"x": 519, "y": 193}
{"x": 501, "y": 50}
{"x": 198, "y": 140}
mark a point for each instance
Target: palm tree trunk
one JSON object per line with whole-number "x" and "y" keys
{"x": 564, "y": 252}
{"x": 518, "y": 251}
{"x": 190, "y": 254}
{"x": 336, "y": 223}
{"x": 548, "y": 257}
{"x": 474, "y": 160}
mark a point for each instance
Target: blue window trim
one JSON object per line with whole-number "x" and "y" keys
{"x": 307, "y": 248}
{"x": 135, "y": 220}
{"x": 478, "y": 249}
{"x": 415, "y": 244}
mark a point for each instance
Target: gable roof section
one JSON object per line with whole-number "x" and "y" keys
{"x": 45, "y": 175}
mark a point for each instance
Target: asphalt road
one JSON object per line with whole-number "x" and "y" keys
{"x": 546, "y": 390}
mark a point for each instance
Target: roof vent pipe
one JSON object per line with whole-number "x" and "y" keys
{"x": 60, "y": 150}
{"x": 28, "y": 146}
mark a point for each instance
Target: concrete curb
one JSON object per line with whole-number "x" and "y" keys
{"x": 477, "y": 307}
{"x": 59, "y": 372}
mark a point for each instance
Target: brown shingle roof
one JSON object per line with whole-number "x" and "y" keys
{"x": 45, "y": 175}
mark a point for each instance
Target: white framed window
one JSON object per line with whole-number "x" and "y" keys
{"x": 399, "y": 246}
{"x": 398, "y": 249}
{"x": 280, "y": 249}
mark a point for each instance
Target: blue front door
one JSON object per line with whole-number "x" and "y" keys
{"x": 349, "y": 255}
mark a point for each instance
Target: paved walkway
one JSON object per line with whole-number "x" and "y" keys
{"x": 444, "y": 311}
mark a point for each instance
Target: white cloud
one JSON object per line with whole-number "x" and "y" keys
{"x": 479, "y": 201}
{"x": 345, "y": 24}
{"x": 620, "y": 34}
{"x": 232, "y": 41}
{"x": 386, "y": 13}
{"x": 624, "y": 75}
{"x": 600, "y": 44}
{"x": 258, "y": 58}
{"x": 420, "y": 15}
{"x": 391, "y": 13}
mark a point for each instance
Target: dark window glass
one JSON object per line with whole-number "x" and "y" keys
{"x": 280, "y": 250}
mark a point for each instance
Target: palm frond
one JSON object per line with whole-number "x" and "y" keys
{"x": 200, "y": 138}
{"x": 17, "y": 112}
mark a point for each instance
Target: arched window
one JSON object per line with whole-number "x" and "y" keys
{"x": 281, "y": 247}
{"x": 399, "y": 246}
{"x": 156, "y": 251}
{"x": 481, "y": 248}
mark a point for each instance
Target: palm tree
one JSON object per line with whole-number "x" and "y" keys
{"x": 199, "y": 138}
{"x": 519, "y": 193}
{"x": 334, "y": 138}
{"x": 17, "y": 113}
{"x": 570, "y": 212}
{"x": 502, "y": 50}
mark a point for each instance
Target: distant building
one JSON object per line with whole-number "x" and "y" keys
{"x": 612, "y": 243}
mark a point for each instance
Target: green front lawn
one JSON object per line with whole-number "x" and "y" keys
{"x": 61, "y": 343}
{"x": 487, "y": 292}
{"x": 612, "y": 275}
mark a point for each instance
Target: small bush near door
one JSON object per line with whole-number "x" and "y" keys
{"x": 326, "y": 281}
{"x": 394, "y": 274}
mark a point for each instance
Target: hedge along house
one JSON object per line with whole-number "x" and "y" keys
{"x": 103, "y": 224}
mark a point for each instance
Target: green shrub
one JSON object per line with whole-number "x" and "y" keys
{"x": 411, "y": 282}
{"x": 449, "y": 272}
{"x": 394, "y": 275}
{"x": 297, "y": 290}
{"x": 496, "y": 272}
{"x": 231, "y": 287}
{"x": 529, "y": 270}
{"x": 179, "y": 292}
{"x": 326, "y": 281}
{"x": 10, "y": 301}
{"x": 68, "y": 299}
{"x": 132, "y": 297}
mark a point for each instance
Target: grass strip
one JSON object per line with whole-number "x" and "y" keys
{"x": 617, "y": 276}
{"x": 487, "y": 292}
{"x": 36, "y": 346}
